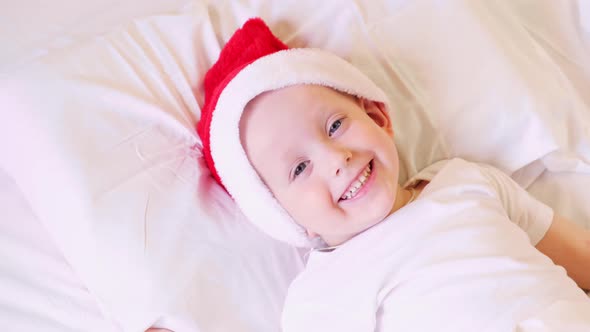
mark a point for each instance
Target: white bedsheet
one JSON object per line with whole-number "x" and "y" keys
{"x": 32, "y": 28}
{"x": 58, "y": 301}
{"x": 39, "y": 290}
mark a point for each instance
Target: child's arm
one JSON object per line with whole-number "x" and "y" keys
{"x": 568, "y": 245}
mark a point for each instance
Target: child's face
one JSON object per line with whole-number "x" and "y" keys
{"x": 312, "y": 146}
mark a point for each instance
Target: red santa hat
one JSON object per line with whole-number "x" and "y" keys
{"x": 254, "y": 61}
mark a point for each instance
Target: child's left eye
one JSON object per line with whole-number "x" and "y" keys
{"x": 334, "y": 127}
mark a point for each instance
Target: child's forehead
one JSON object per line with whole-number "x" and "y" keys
{"x": 305, "y": 90}
{"x": 282, "y": 120}
{"x": 301, "y": 99}
{"x": 296, "y": 106}
{"x": 295, "y": 111}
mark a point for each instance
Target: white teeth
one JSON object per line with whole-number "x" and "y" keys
{"x": 356, "y": 185}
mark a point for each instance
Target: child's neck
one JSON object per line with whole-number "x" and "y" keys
{"x": 405, "y": 196}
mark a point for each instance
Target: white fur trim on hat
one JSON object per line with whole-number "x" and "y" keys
{"x": 272, "y": 72}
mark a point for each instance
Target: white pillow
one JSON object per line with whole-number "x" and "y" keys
{"x": 40, "y": 291}
{"x": 100, "y": 137}
{"x": 482, "y": 87}
{"x": 101, "y": 140}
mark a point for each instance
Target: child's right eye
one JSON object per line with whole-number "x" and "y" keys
{"x": 299, "y": 169}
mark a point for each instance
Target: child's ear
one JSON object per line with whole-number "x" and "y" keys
{"x": 377, "y": 112}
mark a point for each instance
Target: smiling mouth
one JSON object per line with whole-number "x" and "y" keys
{"x": 358, "y": 183}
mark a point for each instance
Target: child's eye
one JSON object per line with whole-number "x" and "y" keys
{"x": 299, "y": 169}
{"x": 334, "y": 127}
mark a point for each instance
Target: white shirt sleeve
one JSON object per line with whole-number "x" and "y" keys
{"x": 531, "y": 215}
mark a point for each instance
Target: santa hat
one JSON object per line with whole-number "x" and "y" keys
{"x": 254, "y": 61}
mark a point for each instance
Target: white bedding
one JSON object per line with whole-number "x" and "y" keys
{"x": 40, "y": 291}
{"x": 32, "y": 28}
{"x": 211, "y": 296}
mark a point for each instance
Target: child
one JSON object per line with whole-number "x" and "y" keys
{"x": 302, "y": 141}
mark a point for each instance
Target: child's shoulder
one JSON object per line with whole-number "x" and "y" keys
{"x": 448, "y": 168}
{"x": 457, "y": 171}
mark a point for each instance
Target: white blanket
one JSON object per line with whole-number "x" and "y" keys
{"x": 459, "y": 258}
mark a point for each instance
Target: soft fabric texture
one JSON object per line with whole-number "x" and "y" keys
{"x": 100, "y": 139}
{"x": 40, "y": 290}
{"x": 110, "y": 165}
{"x": 252, "y": 62}
{"x": 461, "y": 257}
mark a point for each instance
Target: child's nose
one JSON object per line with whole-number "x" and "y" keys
{"x": 340, "y": 160}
